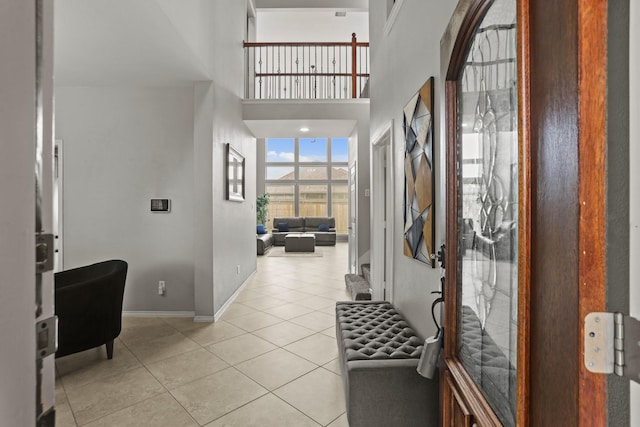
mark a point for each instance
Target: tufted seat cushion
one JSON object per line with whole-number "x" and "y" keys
{"x": 376, "y": 331}
{"x": 379, "y": 353}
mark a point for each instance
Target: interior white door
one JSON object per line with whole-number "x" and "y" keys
{"x": 57, "y": 205}
{"x": 353, "y": 233}
{"x": 388, "y": 222}
{"x": 382, "y": 216}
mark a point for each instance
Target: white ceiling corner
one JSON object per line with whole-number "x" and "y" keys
{"x": 100, "y": 42}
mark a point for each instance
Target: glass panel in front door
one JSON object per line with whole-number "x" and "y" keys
{"x": 488, "y": 210}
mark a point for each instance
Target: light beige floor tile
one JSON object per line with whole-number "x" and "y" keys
{"x": 333, "y": 366}
{"x": 330, "y": 332}
{"x": 312, "y": 289}
{"x": 92, "y": 365}
{"x": 158, "y": 411}
{"x": 237, "y": 350}
{"x": 254, "y": 321}
{"x": 216, "y": 395}
{"x": 267, "y": 411}
{"x": 254, "y": 285}
{"x": 331, "y": 311}
{"x": 139, "y": 322}
{"x": 184, "y": 368}
{"x": 264, "y": 302}
{"x": 64, "y": 416}
{"x": 142, "y": 329}
{"x": 292, "y": 296}
{"x": 273, "y": 290}
{"x": 317, "y": 348}
{"x": 110, "y": 394}
{"x": 288, "y": 311}
{"x": 317, "y": 302}
{"x": 279, "y": 278}
{"x": 319, "y": 394}
{"x": 236, "y": 310}
{"x": 316, "y": 321}
{"x": 342, "y": 421}
{"x": 161, "y": 348}
{"x": 214, "y": 332}
{"x": 184, "y": 323}
{"x": 336, "y": 294}
{"x": 248, "y": 294}
{"x": 264, "y": 272}
{"x": 276, "y": 368}
{"x": 292, "y": 283}
{"x": 283, "y": 333}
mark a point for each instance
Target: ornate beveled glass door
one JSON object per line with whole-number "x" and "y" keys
{"x": 480, "y": 382}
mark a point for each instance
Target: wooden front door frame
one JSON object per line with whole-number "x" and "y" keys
{"x": 592, "y": 54}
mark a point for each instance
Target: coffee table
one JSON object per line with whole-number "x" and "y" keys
{"x": 300, "y": 242}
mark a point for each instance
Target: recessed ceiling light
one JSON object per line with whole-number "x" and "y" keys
{"x": 304, "y": 129}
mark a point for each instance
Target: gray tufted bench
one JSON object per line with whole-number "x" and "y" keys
{"x": 379, "y": 353}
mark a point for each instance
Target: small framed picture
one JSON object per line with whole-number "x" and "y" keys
{"x": 234, "y": 172}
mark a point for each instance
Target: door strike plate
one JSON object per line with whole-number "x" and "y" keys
{"x": 46, "y": 337}
{"x": 44, "y": 253}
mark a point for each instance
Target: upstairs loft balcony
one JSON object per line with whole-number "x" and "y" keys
{"x": 307, "y": 71}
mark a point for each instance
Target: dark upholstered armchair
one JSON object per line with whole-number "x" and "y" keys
{"x": 89, "y": 306}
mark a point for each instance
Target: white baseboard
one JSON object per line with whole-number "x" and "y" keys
{"x": 158, "y": 313}
{"x": 200, "y": 319}
{"x": 203, "y": 319}
{"x": 230, "y": 301}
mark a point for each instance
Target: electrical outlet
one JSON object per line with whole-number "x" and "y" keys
{"x": 161, "y": 288}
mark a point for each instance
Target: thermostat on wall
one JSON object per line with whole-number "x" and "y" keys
{"x": 160, "y": 205}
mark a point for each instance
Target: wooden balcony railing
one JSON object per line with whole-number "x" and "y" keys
{"x": 307, "y": 70}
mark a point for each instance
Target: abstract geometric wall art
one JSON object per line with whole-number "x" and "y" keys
{"x": 419, "y": 192}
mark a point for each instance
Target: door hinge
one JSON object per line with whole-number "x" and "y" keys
{"x": 44, "y": 252}
{"x": 46, "y": 337}
{"x": 612, "y": 344}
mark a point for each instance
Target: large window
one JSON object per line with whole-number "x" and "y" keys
{"x": 307, "y": 177}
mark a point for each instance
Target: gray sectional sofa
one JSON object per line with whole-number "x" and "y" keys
{"x": 264, "y": 241}
{"x": 323, "y": 227}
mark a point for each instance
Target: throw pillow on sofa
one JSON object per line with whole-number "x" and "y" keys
{"x": 260, "y": 229}
{"x": 323, "y": 227}
{"x": 283, "y": 226}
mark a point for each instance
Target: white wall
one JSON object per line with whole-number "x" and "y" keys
{"x": 310, "y": 26}
{"x": 122, "y": 147}
{"x": 127, "y": 141}
{"x": 400, "y": 64}
{"x": 234, "y": 232}
{"x": 234, "y": 224}
{"x": 634, "y": 184}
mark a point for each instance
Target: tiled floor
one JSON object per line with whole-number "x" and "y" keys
{"x": 269, "y": 361}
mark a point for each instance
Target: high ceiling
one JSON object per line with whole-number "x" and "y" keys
{"x": 106, "y": 42}
{"x": 292, "y": 128}
{"x": 158, "y": 42}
